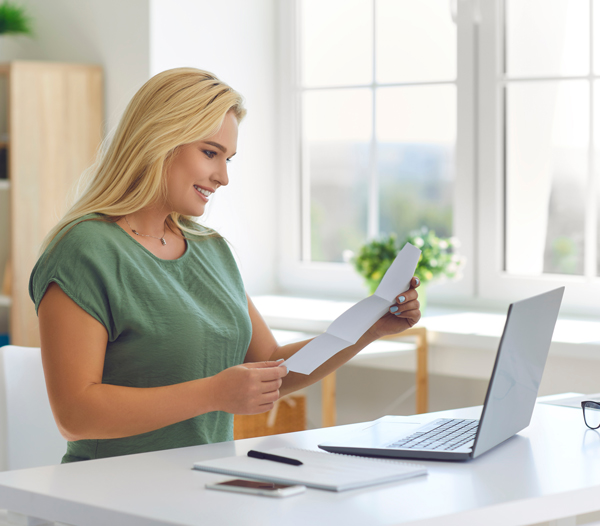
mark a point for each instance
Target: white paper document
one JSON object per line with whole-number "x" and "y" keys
{"x": 320, "y": 470}
{"x": 347, "y": 329}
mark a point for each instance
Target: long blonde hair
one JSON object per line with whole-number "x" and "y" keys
{"x": 173, "y": 108}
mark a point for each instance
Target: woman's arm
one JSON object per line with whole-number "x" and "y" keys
{"x": 73, "y": 350}
{"x": 263, "y": 345}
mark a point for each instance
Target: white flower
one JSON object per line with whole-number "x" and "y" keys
{"x": 455, "y": 242}
{"x": 347, "y": 255}
{"x": 419, "y": 241}
{"x": 433, "y": 263}
{"x": 443, "y": 244}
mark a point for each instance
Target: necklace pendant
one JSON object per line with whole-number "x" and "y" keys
{"x": 162, "y": 240}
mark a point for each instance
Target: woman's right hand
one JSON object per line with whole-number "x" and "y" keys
{"x": 249, "y": 388}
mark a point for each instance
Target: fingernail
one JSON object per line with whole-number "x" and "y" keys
{"x": 401, "y": 299}
{"x": 394, "y": 309}
{"x": 397, "y": 314}
{"x": 281, "y": 359}
{"x": 417, "y": 280}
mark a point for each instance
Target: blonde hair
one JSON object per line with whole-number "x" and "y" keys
{"x": 173, "y": 108}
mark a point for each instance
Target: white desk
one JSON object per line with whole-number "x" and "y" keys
{"x": 549, "y": 471}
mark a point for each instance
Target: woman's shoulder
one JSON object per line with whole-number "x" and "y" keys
{"x": 91, "y": 233}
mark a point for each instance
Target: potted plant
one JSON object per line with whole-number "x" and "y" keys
{"x": 439, "y": 259}
{"x": 14, "y": 19}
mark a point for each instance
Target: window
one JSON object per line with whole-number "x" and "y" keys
{"x": 539, "y": 129}
{"x": 480, "y": 123}
{"x": 378, "y": 120}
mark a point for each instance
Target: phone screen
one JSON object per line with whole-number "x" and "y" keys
{"x": 254, "y": 484}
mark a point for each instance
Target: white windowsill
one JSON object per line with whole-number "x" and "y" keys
{"x": 447, "y": 328}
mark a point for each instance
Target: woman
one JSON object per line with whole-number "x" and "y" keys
{"x": 148, "y": 338}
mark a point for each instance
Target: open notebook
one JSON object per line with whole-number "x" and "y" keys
{"x": 320, "y": 470}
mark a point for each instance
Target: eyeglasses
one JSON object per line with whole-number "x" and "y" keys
{"x": 591, "y": 414}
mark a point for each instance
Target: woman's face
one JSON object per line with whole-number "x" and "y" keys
{"x": 199, "y": 168}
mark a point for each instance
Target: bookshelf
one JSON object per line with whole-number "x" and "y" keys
{"x": 50, "y": 129}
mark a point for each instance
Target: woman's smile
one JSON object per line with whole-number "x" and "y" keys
{"x": 204, "y": 193}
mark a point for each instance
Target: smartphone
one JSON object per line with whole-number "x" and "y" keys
{"x": 256, "y": 487}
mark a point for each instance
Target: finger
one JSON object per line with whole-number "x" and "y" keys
{"x": 263, "y": 365}
{"x": 409, "y": 295}
{"x": 412, "y": 313}
{"x": 415, "y": 282}
{"x": 263, "y": 408}
{"x": 269, "y": 387}
{"x": 404, "y": 302}
{"x": 271, "y": 397}
{"x": 272, "y": 373}
{"x": 404, "y": 307}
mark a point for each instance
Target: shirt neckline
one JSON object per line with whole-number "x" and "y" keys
{"x": 150, "y": 253}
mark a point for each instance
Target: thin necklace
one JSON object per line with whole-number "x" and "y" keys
{"x": 162, "y": 239}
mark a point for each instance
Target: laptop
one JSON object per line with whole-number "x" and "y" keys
{"x": 508, "y": 406}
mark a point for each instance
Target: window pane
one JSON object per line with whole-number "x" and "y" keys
{"x": 416, "y": 135}
{"x": 596, "y": 39}
{"x": 597, "y": 165}
{"x": 337, "y": 137}
{"x": 416, "y": 41}
{"x": 547, "y": 37}
{"x": 546, "y": 171}
{"x": 337, "y": 42}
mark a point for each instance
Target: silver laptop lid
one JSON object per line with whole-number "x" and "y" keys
{"x": 518, "y": 370}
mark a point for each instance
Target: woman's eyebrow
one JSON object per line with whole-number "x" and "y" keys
{"x": 217, "y": 145}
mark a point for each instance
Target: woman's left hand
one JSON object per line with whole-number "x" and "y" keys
{"x": 402, "y": 315}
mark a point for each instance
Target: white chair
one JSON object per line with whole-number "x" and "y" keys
{"x": 31, "y": 437}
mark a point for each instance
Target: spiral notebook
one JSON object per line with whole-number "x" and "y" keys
{"x": 320, "y": 470}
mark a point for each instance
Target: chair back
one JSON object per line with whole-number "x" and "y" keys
{"x": 31, "y": 436}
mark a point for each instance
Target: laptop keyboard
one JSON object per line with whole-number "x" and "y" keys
{"x": 444, "y": 434}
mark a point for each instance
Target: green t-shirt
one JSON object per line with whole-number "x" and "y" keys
{"x": 168, "y": 321}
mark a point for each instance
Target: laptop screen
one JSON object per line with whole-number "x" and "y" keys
{"x": 518, "y": 369}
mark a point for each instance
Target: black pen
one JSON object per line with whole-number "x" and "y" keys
{"x": 274, "y": 458}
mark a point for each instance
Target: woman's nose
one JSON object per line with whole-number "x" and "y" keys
{"x": 222, "y": 177}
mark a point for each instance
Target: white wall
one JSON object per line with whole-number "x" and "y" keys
{"x": 133, "y": 40}
{"x": 235, "y": 40}
{"x": 111, "y": 33}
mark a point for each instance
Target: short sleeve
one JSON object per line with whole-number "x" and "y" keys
{"x": 79, "y": 261}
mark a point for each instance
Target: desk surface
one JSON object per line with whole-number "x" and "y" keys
{"x": 550, "y": 470}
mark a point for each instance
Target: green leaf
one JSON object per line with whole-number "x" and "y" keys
{"x": 14, "y": 19}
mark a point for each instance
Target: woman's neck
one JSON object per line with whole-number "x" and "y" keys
{"x": 149, "y": 221}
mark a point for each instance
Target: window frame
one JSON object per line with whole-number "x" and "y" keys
{"x": 494, "y": 283}
{"x": 478, "y": 191}
{"x": 339, "y": 279}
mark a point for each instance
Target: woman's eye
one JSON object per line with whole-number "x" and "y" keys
{"x": 210, "y": 154}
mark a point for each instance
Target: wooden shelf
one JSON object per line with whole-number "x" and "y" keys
{"x": 53, "y": 135}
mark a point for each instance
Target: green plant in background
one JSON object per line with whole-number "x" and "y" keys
{"x": 14, "y": 19}
{"x": 439, "y": 257}
{"x": 374, "y": 259}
